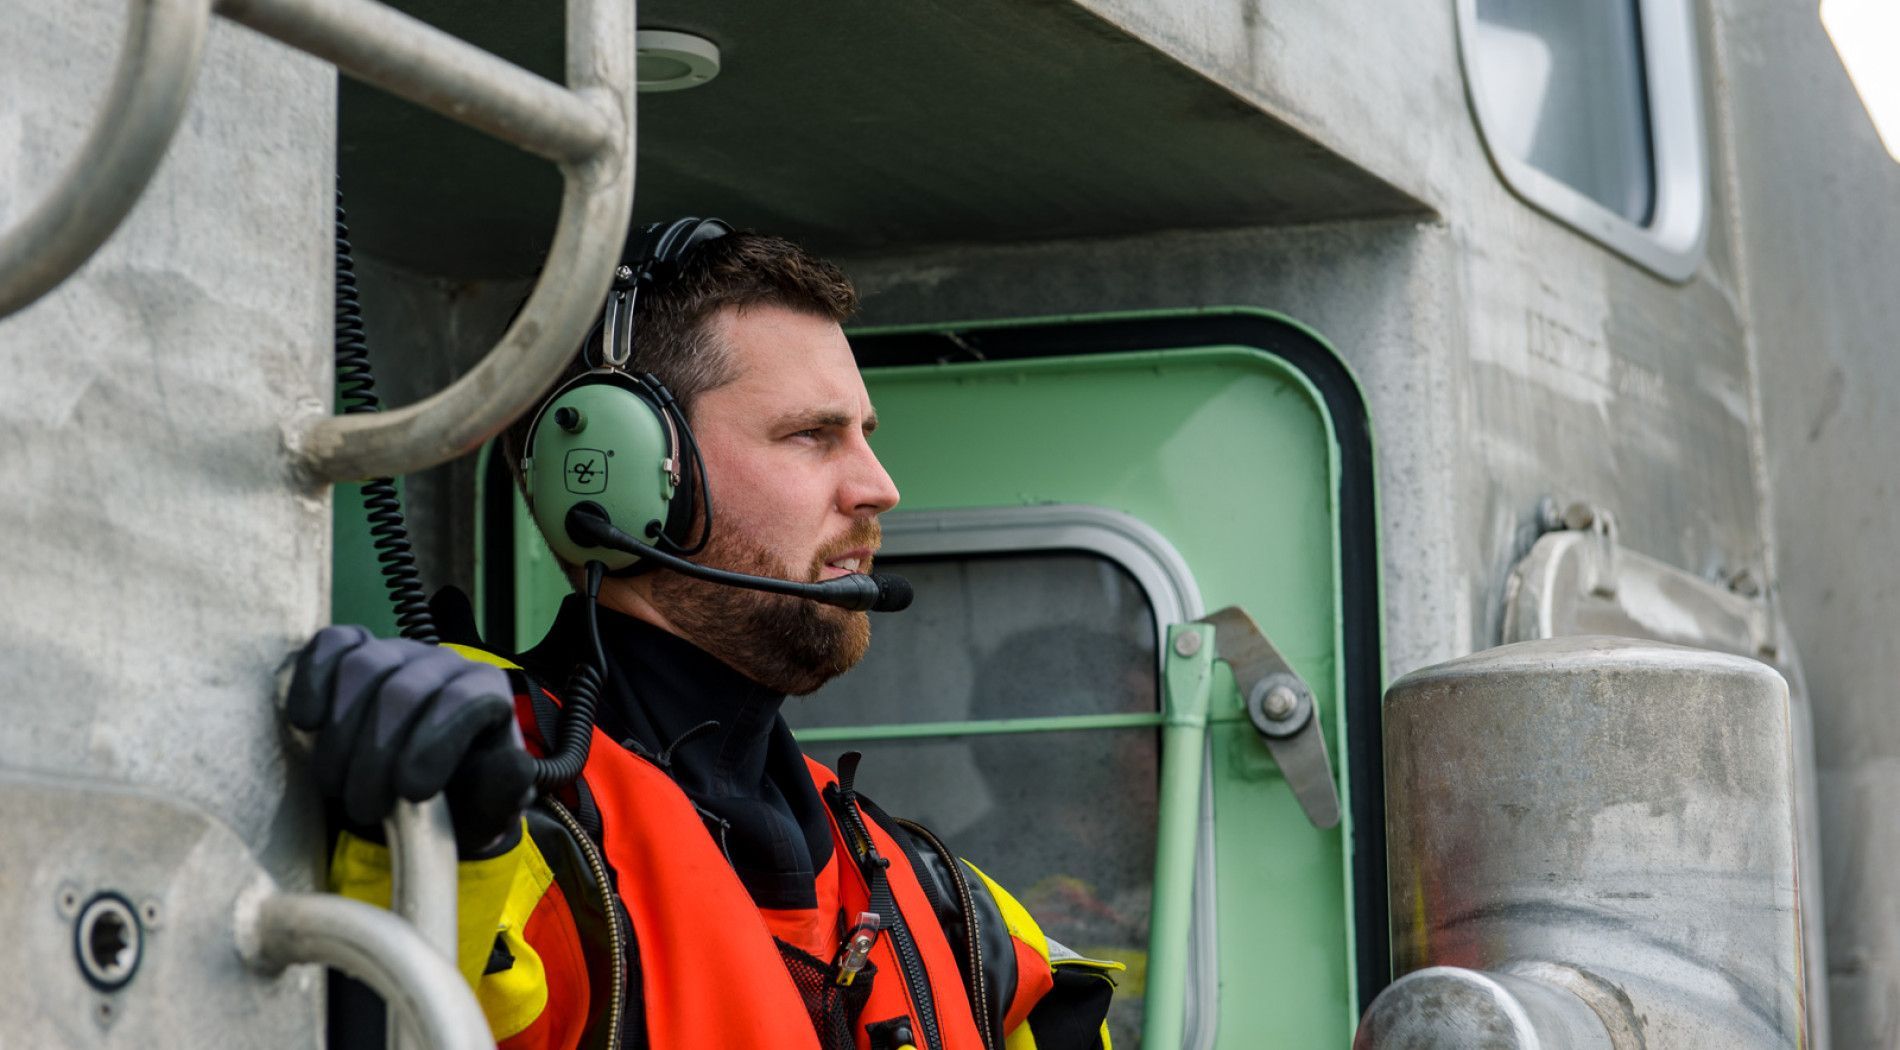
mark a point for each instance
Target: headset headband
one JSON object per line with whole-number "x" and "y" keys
{"x": 660, "y": 250}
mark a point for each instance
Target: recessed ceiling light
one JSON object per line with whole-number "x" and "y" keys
{"x": 674, "y": 61}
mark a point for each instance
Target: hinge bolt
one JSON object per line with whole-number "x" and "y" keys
{"x": 1280, "y": 703}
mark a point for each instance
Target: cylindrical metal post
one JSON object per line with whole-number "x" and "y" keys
{"x": 1623, "y": 811}
{"x": 1446, "y": 1008}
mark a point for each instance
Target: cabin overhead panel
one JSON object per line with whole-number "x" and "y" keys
{"x": 859, "y": 126}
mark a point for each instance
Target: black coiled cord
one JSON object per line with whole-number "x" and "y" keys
{"x": 578, "y": 702}
{"x": 356, "y": 387}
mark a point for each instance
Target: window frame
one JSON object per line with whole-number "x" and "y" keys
{"x": 1173, "y": 597}
{"x": 1672, "y": 243}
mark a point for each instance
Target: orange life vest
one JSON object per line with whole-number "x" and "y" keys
{"x": 725, "y": 981}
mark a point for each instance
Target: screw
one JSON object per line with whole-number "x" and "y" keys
{"x": 149, "y": 913}
{"x": 625, "y": 273}
{"x": 1280, "y": 702}
{"x": 104, "y": 1013}
{"x": 1187, "y": 643}
{"x": 68, "y": 899}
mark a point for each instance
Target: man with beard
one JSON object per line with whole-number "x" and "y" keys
{"x": 702, "y": 884}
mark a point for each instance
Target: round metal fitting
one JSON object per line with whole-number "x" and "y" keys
{"x": 1279, "y": 705}
{"x": 108, "y": 941}
{"x": 1187, "y": 643}
{"x": 67, "y": 900}
{"x": 672, "y": 61}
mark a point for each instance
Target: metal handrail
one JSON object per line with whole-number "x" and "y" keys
{"x": 421, "y": 987}
{"x": 587, "y": 128}
{"x": 411, "y": 59}
{"x": 595, "y": 153}
{"x": 157, "y": 65}
{"x": 423, "y": 877}
{"x": 421, "y": 861}
{"x": 1186, "y": 701}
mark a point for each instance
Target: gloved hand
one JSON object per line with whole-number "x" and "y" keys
{"x": 394, "y": 718}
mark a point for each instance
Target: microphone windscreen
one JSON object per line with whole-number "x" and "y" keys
{"x": 893, "y": 593}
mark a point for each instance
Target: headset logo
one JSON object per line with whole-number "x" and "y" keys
{"x": 586, "y": 471}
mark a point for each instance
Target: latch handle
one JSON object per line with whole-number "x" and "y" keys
{"x": 1280, "y": 706}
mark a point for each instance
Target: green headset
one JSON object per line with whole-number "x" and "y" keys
{"x": 617, "y": 439}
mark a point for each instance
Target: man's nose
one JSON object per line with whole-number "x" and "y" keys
{"x": 869, "y": 490}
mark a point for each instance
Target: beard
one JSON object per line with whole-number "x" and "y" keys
{"x": 792, "y": 645}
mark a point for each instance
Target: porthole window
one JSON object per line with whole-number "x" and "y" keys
{"x": 1592, "y": 113}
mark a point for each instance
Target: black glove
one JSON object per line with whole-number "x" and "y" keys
{"x": 394, "y": 717}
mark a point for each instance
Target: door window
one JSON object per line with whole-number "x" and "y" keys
{"x": 997, "y": 712}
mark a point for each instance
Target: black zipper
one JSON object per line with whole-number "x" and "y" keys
{"x": 617, "y": 946}
{"x": 871, "y": 866}
{"x": 966, "y": 901}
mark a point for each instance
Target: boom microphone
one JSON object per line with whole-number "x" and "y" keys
{"x": 589, "y": 526}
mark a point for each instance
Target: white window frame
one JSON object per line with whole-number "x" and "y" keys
{"x": 1671, "y": 244}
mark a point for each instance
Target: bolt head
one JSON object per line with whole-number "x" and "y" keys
{"x": 1280, "y": 702}
{"x": 1187, "y": 643}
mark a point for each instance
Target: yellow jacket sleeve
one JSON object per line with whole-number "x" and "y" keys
{"x": 359, "y": 870}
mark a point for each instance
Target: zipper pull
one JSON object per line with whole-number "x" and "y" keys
{"x": 857, "y": 947}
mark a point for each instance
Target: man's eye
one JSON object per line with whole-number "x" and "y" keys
{"x": 812, "y": 433}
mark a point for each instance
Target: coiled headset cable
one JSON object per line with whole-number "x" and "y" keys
{"x": 356, "y": 388}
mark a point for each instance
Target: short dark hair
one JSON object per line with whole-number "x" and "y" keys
{"x": 672, "y": 338}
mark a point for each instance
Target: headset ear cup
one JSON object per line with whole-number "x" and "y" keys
{"x": 601, "y": 438}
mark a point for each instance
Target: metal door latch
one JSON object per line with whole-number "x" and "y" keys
{"x": 1280, "y": 706}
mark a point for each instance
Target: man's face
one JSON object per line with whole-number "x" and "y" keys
{"x": 796, "y": 491}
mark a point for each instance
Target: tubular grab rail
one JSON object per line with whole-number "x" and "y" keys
{"x": 157, "y": 65}
{"x": 422, "y": 863}
{"x": 421, "y": 860}
{"x": 422, "y": 988}
{"x": 587, "y": 128}
{"x": 1185, "y": 706}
